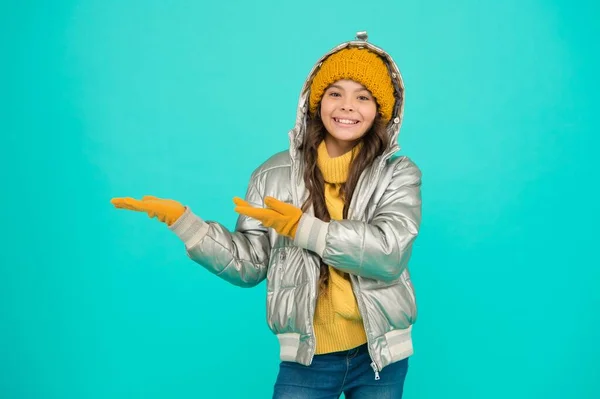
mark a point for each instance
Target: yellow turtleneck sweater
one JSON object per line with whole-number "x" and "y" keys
{"x": 338, "y": 323}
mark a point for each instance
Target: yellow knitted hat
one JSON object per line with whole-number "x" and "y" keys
{"x": 362, "y": 66}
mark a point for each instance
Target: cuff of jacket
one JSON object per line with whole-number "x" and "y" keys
{"x": 190, "y": 228}
{"x": 311, "y": 233}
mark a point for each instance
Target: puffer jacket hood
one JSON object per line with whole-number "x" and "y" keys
{"x": 297, "y": 134}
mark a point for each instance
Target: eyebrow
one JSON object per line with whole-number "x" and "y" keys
{"x": 341, "y": 88}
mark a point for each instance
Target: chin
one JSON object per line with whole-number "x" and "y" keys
{"x": 346, "y": 135}
{"x": 346, "y": 138}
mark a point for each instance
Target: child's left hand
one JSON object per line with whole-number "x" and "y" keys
{"x": 278, "y": 215}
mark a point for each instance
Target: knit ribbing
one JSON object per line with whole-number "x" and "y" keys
{"x": 336, "y": 169}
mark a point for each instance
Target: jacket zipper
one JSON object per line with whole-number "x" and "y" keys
{"x": 359, "y": 300}
{"x": 361, "y": 308}
{"x": 374, "y": 367}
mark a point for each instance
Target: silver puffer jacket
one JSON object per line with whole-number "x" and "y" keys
{"x": 373, "y": 244}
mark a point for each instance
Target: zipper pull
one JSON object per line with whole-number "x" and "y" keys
{"x": 374, "y": 367}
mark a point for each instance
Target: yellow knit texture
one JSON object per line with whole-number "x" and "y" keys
{"x": 362, "y": 66}
{"x": 338, "y": 323}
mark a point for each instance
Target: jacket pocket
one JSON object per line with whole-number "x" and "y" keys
{"x": 405, "y": 278}
{"x": 392, "y": 304}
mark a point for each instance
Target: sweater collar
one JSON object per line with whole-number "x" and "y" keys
{"x": 336, "y": 169}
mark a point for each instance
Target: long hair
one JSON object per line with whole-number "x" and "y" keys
{"x": 374, "y": 141}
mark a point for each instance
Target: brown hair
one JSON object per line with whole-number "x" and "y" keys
{"x": 374, "y": 141}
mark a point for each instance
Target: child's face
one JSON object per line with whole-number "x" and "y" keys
{"x": 347, "y": 110}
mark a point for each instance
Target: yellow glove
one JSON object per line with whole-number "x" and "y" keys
{"x": 165, "y": 210}
{"x": 278, "y": 215}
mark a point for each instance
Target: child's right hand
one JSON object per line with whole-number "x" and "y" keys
{"x": 165, "y": 210}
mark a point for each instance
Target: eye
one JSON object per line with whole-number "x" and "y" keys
{"x": 364, "y": 98}
{"x": 334, "y": 94}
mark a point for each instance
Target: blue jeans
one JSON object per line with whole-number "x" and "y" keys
{"x": 331, "y": 374}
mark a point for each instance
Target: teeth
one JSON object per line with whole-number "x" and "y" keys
{"x": 347, "y": 121}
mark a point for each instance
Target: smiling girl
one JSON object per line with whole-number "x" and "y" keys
{"x": 330, "y": 224}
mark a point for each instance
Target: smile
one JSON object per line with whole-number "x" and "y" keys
{"x": 344, "y": 121}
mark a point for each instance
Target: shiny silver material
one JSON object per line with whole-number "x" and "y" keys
{"x": 362, "y": 35}
{"x": 375, "y": 242}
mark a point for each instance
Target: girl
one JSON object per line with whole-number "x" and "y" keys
{"x": 330, "y": 224}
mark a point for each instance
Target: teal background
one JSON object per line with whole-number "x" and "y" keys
{"x": 184, "y": 99}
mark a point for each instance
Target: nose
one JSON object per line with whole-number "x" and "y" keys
{"x": 347, "y": 106}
